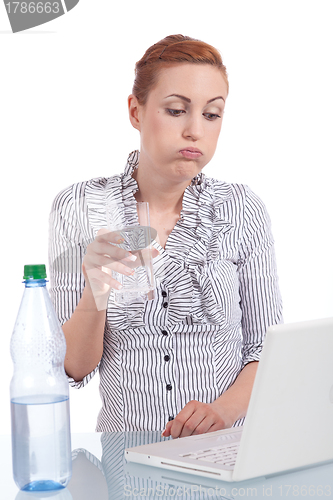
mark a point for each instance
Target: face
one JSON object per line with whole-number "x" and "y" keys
{"x": 181, "y": 121}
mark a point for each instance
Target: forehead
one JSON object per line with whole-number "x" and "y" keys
{"x": 196, "y": 81}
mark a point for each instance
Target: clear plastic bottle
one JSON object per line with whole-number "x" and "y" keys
{"x": 41, "y": 442}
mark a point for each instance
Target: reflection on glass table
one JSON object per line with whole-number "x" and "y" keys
{"x": 113, "y": 478}
{"x": 62, "y": 494}
{"x": 100, "y": 472}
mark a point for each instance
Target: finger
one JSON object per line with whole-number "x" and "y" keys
{"x": 166, "y": 432}
{"x": 180, "y": 420}
{"x": 217, "y": 426}
{"x": 143, "y": 257}
{"x": 192, "y": 423}
{"x": 110, "y": 236}
{"x": 110, "y": 243}
{"x": 205, "y": 425}
{"x": 93, "y": 260}
{"x": 101, "y": 280}
{"x": 114, "y": 252}
{"x": 118, "y": 267}
{"x": 106, "y": 236}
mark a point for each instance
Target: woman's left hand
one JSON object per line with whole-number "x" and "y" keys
{"x": 197, "y": 418}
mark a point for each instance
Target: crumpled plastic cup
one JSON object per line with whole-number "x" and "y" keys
{"x": 137, "y": 236}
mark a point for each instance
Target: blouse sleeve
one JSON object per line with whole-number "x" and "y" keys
{"x": 67, "y": 247}
{"x": 260, "y": 298}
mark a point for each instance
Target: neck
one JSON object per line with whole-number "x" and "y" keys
{"x": 162, "y": 196}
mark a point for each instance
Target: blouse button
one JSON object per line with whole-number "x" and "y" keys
{"x": 164, "y": 332}
{"x": 166, "y": 357}
{"x": 165, "y": 305}
{"x": 171, "y": 417}
{"x": 168, "y": 387}
{"x": 164, "y": 294}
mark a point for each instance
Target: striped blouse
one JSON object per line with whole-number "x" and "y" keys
{"x": 216, "y": 294}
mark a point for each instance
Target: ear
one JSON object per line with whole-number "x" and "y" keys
{"x": 134, "y": 111}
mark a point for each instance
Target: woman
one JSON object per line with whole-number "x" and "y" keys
{"x": 185, "y": 361}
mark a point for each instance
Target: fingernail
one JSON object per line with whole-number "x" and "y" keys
{"x": 119, "y": 286}
{"x": 131, "y": 257}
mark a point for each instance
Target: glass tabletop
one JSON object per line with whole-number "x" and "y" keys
{"x": 100, "y": 472}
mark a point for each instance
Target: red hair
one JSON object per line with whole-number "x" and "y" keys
{"x": 172, "y": 49}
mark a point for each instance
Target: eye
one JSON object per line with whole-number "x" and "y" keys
{"x": 211, "y": 116}
{"x": 175, "y": 112}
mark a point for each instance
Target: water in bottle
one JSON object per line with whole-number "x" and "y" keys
{"x": 41, "y": 444}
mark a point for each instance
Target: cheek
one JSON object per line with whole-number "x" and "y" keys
{"x": 157, "y": 123}
{"x": 161, "y": 129}
{"x": 153, "y": 126}
{"x": 213, "y": 134}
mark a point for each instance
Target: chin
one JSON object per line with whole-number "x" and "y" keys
{"x": 189, "y": 168}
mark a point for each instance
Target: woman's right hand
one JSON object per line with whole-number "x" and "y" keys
{"x": 104, "y": 256}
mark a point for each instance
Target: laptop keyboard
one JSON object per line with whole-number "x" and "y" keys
{"x": 223, "y": 455}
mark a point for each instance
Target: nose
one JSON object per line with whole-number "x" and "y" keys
{"x": 194, "y": 129}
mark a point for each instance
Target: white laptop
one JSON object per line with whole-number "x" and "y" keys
{"x": 289, "y": 422}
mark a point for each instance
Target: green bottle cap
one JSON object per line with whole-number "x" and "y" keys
{"x": 34, "y": 272}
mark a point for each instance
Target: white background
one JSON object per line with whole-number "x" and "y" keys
{"x": 63, "y": 118}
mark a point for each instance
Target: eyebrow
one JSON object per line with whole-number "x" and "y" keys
{"x": 189, "y": 100}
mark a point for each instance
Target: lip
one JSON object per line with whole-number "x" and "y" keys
{"x": 191, "y": 153}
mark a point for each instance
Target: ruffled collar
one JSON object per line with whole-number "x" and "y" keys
{"x": 200, "y": 212}
{"x": 202, "y": 190}
{"x": 201, "y": 215}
